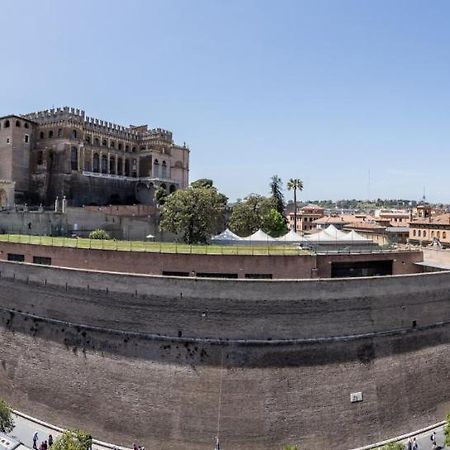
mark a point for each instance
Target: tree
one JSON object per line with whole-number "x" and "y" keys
{"x": 276, "y": 189}
{"x": 6, "y": 419}
{"x": 73, "y": 440}
{"x": 295, "y": 184}
{"x": 160, "y": 196}
{"x": 256, "y": 212}
{"x": 447, "y": 431}
{"x": 194, "y": 213}
{"x": 202, "y": 182}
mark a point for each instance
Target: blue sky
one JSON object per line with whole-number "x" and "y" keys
{"x": 320, "y": 90}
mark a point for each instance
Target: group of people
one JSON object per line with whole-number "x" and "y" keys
{"x": 45, "y": 445}
{"x": 414, "y": 445}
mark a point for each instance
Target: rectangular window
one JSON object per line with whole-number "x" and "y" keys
{"x": 42, "y": 260}
{"x": 216, "y": 275}
{"x": 26, "y": 139}
{"x": 8, "y": 140}
{"x": 16, "y": 257}
{"x": 170, "y": 273}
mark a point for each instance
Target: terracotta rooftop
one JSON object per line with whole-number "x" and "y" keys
{"x": 441, "y": 219}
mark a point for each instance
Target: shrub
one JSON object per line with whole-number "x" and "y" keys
{"x": 447, "y": 431}
{"x": 290, "y": 447}
{"x": 99, "y": 234}
{"x": 393, "y": 446}
{"x": 6, "y": 419}
{"x": 73, "y": 440}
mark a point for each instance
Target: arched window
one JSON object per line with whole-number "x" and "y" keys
{"x": 96, "y": 163}
{"x": 127, "y": 168}
{"x": 112, "y": 144}
{"x": 74, "y": 158}
{"x": 105, "y": 143}
{"x": 87, "y": 139}
{"x": 50, "y": 134}
{"x": 418, "y": 233}
{"x": 424, "y": 233}
{"x": 40, "y": 158}
{"x": 60, "y": 133}
{"x": 119, "y": 166}
{"x": 164, "y": 170}
{"x": 133, "y": 149}
{"x": 444, "y": 235}
{"x": 438, "y": 234}
{"x": 41, "y": 135}
{"x": 134, "y": 168}
{"x": 156, "y": 168}
{"x": 432, "y": 233}
{"x": 112, "y": 165}
{"x": 6, "y": 124}
{"x": 97, "y": 141}
{"x": 26, "y": 125}
{"x": 172, "y": 188}
{"x": 414, "y": 233}
{"x": 120, "y": 147}
{"x": 104, "y": 164}
{"x": 127, "y": 148}
{"x": 74, "y": 134}
{"x": 18, "y": 123}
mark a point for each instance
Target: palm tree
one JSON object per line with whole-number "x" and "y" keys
{"x": 295, "y": 184}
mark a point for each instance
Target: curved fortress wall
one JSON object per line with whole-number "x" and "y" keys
{"x": 144, "y": 357}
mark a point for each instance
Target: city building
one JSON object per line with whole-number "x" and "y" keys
{"x": 305, "y": 217}
{"x": 426, "y": 230}
{"x": 63, "y": 153}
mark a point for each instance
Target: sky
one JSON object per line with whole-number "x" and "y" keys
{"x": 352, "y": 97}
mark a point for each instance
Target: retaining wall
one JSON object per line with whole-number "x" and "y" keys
{"x": 142, "y": 357}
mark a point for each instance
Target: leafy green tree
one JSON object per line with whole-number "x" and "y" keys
{"x": 273, "y": 223}
{"x": 194, "y": 213}
{"x": 447, "y": 431}
{"x": 99, "y": 234}
{"x": 295, "y": 184}
{"x": 256, "y": 212}
{"x": 161, "y": 195}
{"x": 6, "y": 419}
{"x": 276, "y": 189}
{"x": 202, "y": 182}
{"x": 73, "y": 440}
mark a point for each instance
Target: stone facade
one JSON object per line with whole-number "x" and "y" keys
{"x": 61, "y": 152}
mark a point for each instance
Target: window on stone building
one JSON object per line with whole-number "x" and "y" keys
{"x": 60, "y": 132}
{"x": 119, "y": 166}
{"x": 438, "y": 234}
{"x": 156, "y": 168}
{"x": 96, "y": 163}
{"x": 41, "y": 135}
{"x": 50, "y": 134}
{"x": 40, "y": 158}
{"x": 133, "y": 150}
{"x": 172, "y": 188}
{"x": 88, "y": 139}
{"x": 127, "y": 148}
{"x": 25, "y": 124}
{"x": 164, "y": 170}
{"x": 414, "y": 233}
{"x": 104, "y": 143}
{"x": 424, "y": 233}
{"x": 444, "y": 235}
{"x": 112, "y": 144}
{"x": 18, "y": 123}
{"x": 104, "y": 164}
{"x": 120, "y": 147}
{"x": 26, "y": 139}
{"x": 6, "y": 124}
{"x": 127, "y": 168}
{"x": 112, "y": 165}
{"x": 418, "y": 233}
{"x": 8, "y": 140}
{"x": 74, "y": 158}
{"x": 74, "y": 134}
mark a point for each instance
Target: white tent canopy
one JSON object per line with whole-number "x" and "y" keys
{"x": 259, "y": 236}
{"x": 354, "y": 236}
{"x": 329, "y": 234}
{"x": 226, "y": 236}
{"x": 291, "y": 237}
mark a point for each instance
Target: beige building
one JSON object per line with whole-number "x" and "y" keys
{"x": 306, "y": 216}
{"x": 428, "y": 230}
{"x": 63, "y": 153}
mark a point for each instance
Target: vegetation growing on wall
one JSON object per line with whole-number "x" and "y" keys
{"x": 6, "y": 419}
{"x": 99, "y": 234}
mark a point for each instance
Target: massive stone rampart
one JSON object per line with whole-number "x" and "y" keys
{"x": 152, "y": 358}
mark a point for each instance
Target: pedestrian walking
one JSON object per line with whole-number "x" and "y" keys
{"x": 409, "y": 446}
{"x": 35, "y": 439}
{"x": 50, "y": 440}
{"x": 415, "y": 444}
{"x": 433, "y": 437}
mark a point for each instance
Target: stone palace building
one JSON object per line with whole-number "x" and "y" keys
{"x": 63, "y": 153}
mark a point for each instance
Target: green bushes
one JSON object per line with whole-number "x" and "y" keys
{"x": 447, "y": 431}
{"x": 99, "y": 234}
{"x": 6, "y": 419}
{"x": 73, "y": 440}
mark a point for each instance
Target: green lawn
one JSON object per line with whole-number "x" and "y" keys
{"x": 158, "y": 247}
